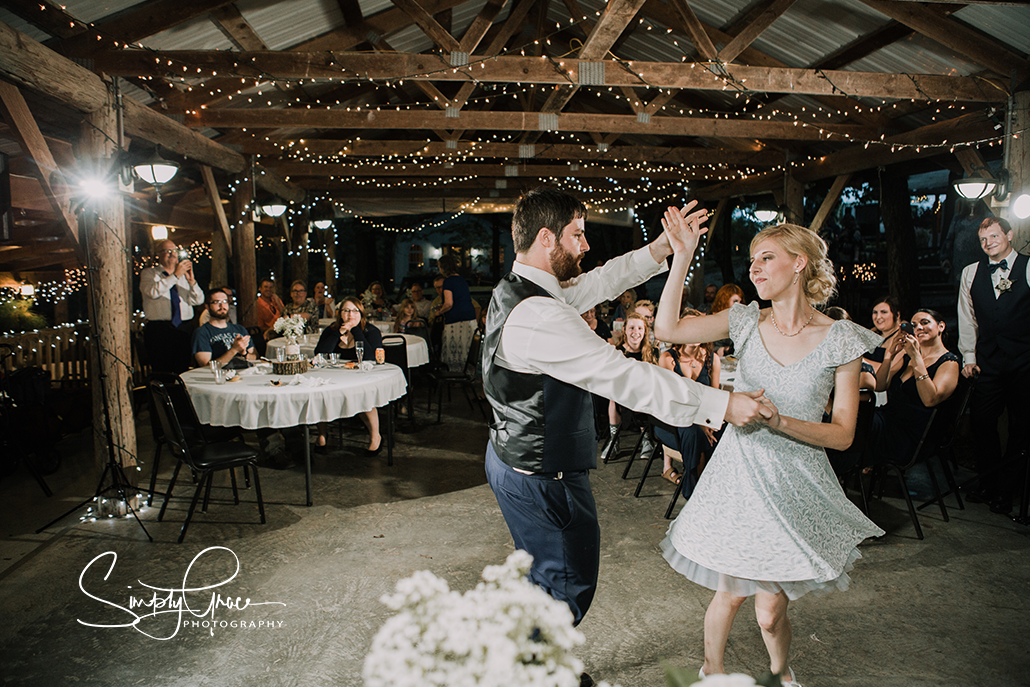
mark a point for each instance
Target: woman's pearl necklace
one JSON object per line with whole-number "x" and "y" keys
{"x": 773, "y": 318}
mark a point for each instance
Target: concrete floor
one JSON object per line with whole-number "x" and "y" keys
{"x": 950, "y": 610}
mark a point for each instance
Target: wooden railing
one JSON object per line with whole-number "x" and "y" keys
{"x": 63, "y": 351}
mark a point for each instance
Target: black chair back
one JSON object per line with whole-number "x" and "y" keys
{"x": 183, "y": 404}
{"x": 396, "y": 347}
{"x": 472, "y": 361}
{"x": 174, "y": 436}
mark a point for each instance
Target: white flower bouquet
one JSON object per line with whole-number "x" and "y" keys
{"x": 291, "y": 327}
{"x": 507, "y": 631}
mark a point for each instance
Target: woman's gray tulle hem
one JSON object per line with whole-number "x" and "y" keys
{"x": 739, "y": 586}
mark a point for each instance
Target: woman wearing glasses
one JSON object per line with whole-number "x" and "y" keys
{"x": 344, "y": 337}
{"x": 301, "y": 305}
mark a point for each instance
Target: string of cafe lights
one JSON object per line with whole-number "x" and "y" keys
{"x": 717, "y": 69}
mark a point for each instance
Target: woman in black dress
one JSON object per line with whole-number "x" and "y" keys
{"x": 918, "y": 373}
{"x": 341, "y": 337}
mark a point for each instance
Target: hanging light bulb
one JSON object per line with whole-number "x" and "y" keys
{"x": 159, "y": 232}
{"x": 156, "y": 171}
{"x": 322, "y": 223}
{"x": 274, "y": 208}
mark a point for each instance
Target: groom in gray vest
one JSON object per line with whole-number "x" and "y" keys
{"x": 541, "y": 362}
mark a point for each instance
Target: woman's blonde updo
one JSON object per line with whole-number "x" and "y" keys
{"x": 818, "y": 279}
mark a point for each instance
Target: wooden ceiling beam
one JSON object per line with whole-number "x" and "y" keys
{"x": 954, "y": 35}
{"x": 445, "y": 170}
{"x": 438, "y": 34}
{"x": 16, "y": 113}
{"x": 509, "y": 69}
{"x": 135, "y": 23}
{"x": 47, "y": 16}
{"x": 765, "y": 14}
{"x": 969, "y": 127}
{"x": 480, "y": 25}
{"x": 236, "y": 28}
{"x": 696, "y": 30}
{"x": 527, "y": 121}
{"x": 563, "y": 151}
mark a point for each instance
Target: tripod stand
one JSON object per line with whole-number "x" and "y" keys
{"x": 119, "y": 482}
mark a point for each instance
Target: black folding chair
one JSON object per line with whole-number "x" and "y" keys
{"x": 465, "y": 377}
{"x": 396, "y": 347}
{"x": 203, "y": 458}
{"x": 192, "y": 428}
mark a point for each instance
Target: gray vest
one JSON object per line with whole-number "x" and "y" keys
{"x": 540, "y": 423}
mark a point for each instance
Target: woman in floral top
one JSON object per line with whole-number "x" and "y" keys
{"x": 301, "y": 305}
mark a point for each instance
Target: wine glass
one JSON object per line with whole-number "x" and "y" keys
{"x": 359, "y": 352}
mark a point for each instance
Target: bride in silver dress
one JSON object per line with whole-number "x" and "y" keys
{"x": 768, "y": 518}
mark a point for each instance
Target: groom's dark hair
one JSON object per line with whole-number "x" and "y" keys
{"x": 544, "y": 206}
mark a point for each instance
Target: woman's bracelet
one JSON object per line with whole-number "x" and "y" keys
{"x": 922, "y": 377}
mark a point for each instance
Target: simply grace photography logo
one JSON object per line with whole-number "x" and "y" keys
{"x": 160, "y": 612}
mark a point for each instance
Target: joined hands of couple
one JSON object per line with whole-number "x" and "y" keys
{"x": 684, "y": 231}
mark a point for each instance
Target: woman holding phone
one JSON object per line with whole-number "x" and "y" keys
{"x": 918, "y": 373}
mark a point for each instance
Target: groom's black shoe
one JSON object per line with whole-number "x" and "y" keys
{"x": 585, "y": 680}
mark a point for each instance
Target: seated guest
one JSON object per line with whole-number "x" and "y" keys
{"x": 597, "y": 325}
{"x": 267, "y": 309}
{"x": 626, "y": 301}
{"x": 301, "y": 305}
{"x": 710, "y": 292}
{"x": 376, "y": 305}
{"x": 886, "y": 320}
{"x": 726, "y": 297}
{"x": 408, "y": 318}
{"x": 637, "y": 346}
{"x": 918, "y": 373}
{"x": 205, "y": 316}
{"x": 219, "y": 339}
{"x": 326, "y": 307}
{"x": 422, "y": 304}
{"x": 352, "y": 328}
{"x": 697, "y": 362}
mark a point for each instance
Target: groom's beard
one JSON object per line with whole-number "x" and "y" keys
{"x": 564, "y": 264}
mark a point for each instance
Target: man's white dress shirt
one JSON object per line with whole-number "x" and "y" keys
{"x": 548, "y": 336}
{"x": 967, "y": 326}
{"x": 156, "y": 287}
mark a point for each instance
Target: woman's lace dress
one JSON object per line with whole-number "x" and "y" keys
{"x": 768, "y": 512}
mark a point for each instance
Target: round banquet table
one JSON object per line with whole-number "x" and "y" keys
{"x": 418, "y": 350}
{"x": 320, "y": 395}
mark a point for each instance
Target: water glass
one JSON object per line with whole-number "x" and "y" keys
{"x": 359, "y": 352}
{"x": 219, "y": 376}
{"x": 334, "y": 358}
{"x": 280, "y": 353}
{"x": 215, "y": 368}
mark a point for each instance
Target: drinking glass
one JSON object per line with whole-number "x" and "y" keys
{"x": 280, "y": 353}
{"x": 215, "y": 368}
{"x": 334, "y": 358}
{"x": 359, "y": 352}
{"x": 219, "y": 376}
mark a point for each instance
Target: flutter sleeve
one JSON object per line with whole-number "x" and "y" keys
{"x": 743, "y": 320}
{"x": 851, "y": 341}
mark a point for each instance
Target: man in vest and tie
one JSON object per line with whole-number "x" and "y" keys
{"x": 169, "y": 294}
{"x": 994, "y": 339}
{"x": 541, "y": 362}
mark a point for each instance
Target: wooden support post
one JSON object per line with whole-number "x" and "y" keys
{"x": 299, "y": 258}
{"x": 829, "y": 202}
{"x": 244, "y": 259}
{"x": 219, "y": 260}
{"x": 1019, "y": 167}
{"x": 896, "y": 211}
{"x": 330, "y": 269}
{"x": 794, "y": 200}
{"x": 696, "y": 285}
{"x": 111, "y": 313}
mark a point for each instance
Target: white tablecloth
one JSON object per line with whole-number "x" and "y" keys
{"x": 418, "y": 351}
{"x": 252, "y": 403}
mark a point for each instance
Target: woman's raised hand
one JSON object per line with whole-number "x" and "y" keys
{"x": 683, "y": 227}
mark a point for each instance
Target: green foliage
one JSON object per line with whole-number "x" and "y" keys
{"x": 16, "y": 315}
